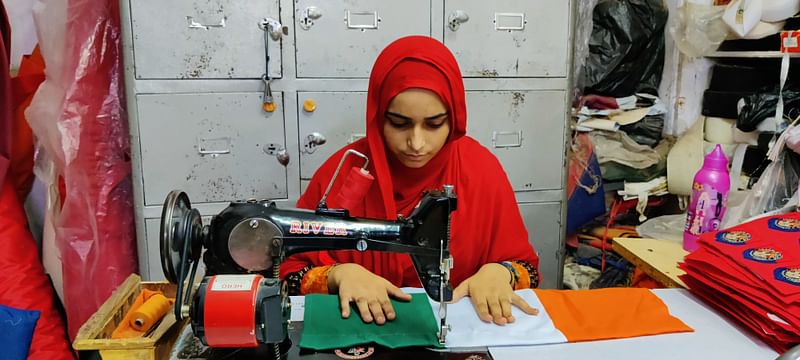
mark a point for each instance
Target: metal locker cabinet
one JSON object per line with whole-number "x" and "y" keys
{"x": 186, "y": 74}
{"x": 510, "y": 38}
{"x": 202, "y": 39}
{"x": 525, "y": 130}
{"x": 336, "y": 117}
{"x": 341, "y": 39}
{"x": 543, "y": 221}
{"x": 153, "y": 270}
{"x": 215, "y": 147}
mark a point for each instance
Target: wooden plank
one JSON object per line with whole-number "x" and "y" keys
{"x": 657, "y": 258}
{"x": 92, "y": 328}
{"x": 95, "y": 333}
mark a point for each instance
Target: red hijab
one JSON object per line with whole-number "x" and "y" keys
{"x": 487, "y": 227}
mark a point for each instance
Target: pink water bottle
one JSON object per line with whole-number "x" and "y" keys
{"x": 709, "y": 197}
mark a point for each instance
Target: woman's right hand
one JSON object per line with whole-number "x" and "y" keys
{"x": 368, "y": 291}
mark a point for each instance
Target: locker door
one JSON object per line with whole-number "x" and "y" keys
{"x": 510, "y": 38}
{"x": 337, "y": 117}
{"x": 204, "y": 39}
{"x": 525, "y": 130}
{"x": 543, "y": 221}
{"x": 341, "y": 39}
{"x": 215, "y": 147}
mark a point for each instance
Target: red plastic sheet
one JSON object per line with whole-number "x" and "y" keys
{"x": 78, "y": 118}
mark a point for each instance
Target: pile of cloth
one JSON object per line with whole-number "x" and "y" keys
{"x": 751, "y": 272}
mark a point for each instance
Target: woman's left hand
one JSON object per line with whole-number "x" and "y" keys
{"x": 491, "y": 294}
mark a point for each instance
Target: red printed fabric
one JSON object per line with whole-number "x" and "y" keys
{"x": 486, "y": 227}
{"x": 768, "y": 248}
{"x": 752, "y": 273}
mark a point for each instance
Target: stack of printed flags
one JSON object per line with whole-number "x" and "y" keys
{"x": 752, "y": 273}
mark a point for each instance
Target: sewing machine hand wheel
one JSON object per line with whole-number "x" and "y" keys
{"x": 181, "y": 241}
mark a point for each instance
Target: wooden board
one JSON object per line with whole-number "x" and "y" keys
{"x": 657, "y": 258}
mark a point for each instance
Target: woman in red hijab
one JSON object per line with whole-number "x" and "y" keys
{"x": 416, "y": 140}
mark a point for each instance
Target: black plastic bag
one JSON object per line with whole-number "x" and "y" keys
{"x": 626, "y": 49}
{"x": 760, "y": 106}
{"x": 646, "y": 131}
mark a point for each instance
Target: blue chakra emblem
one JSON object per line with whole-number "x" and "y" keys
{"x": 733, "y": 237}
{"x": 788, "y": 275}
{"x": 784, "y": 224}
{"x": 763, "y": 255}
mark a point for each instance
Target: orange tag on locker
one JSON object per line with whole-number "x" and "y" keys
{"x": 790, "y": 41}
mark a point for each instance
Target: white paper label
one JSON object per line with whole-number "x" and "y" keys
{"x": 233, "y": 282}
{"x": 790, "y": 42}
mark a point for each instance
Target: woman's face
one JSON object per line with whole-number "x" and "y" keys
{"x": 416, "y": 126}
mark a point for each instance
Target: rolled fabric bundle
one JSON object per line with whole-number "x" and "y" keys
{"x": 719, "y": 130}
{"x": 779, "y": 10}
{"x": 760, "y": 31}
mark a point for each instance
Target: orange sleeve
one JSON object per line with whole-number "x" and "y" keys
{"x": 527, "y": 275}
{"x": 523, "y": 279}
{"x": 315, "y": 280}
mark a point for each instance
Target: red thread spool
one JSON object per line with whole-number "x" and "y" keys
{"x": 353, "y": 189}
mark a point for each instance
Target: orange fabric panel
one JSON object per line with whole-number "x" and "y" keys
{"x": 584, "y": 315}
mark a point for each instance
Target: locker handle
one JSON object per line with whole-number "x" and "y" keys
{"x": 196, "y": 25}
{"x": 355, "y": 137}
{"x": 313, "y": 140}
{"x": 310, "y": 14}
{"x": 349, "y": 15}
{"x": 214, "y": 146}
{"x": 456, "y": 18}
{"x": 516, "y": 143}
{"x": 509, "y": 21}
{"x": 274, "y": 28}
{"x": 278, "y": 151}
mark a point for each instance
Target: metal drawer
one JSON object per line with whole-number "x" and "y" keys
{"x": 525, "y": 130}
{"x": 543, "y": 221}
{"x": 341, "y": 39}
{"x": 339, "y": 119}
{"x": 510, "y": 38}
{"x": 203, "y": 39}
{"x": 216, "y": 147}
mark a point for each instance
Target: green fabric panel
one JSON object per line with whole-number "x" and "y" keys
{"x": 324, "y": 328}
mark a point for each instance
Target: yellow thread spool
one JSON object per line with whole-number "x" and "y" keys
{"x": 150, "y": 312}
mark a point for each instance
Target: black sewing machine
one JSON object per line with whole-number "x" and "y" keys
{"x": 240, "y": 303}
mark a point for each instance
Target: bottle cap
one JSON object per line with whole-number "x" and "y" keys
{"x": 716, "y": 159}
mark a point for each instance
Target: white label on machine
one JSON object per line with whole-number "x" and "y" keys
{"x": 233, "y": 282}
{"x": 790, "y": 42}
